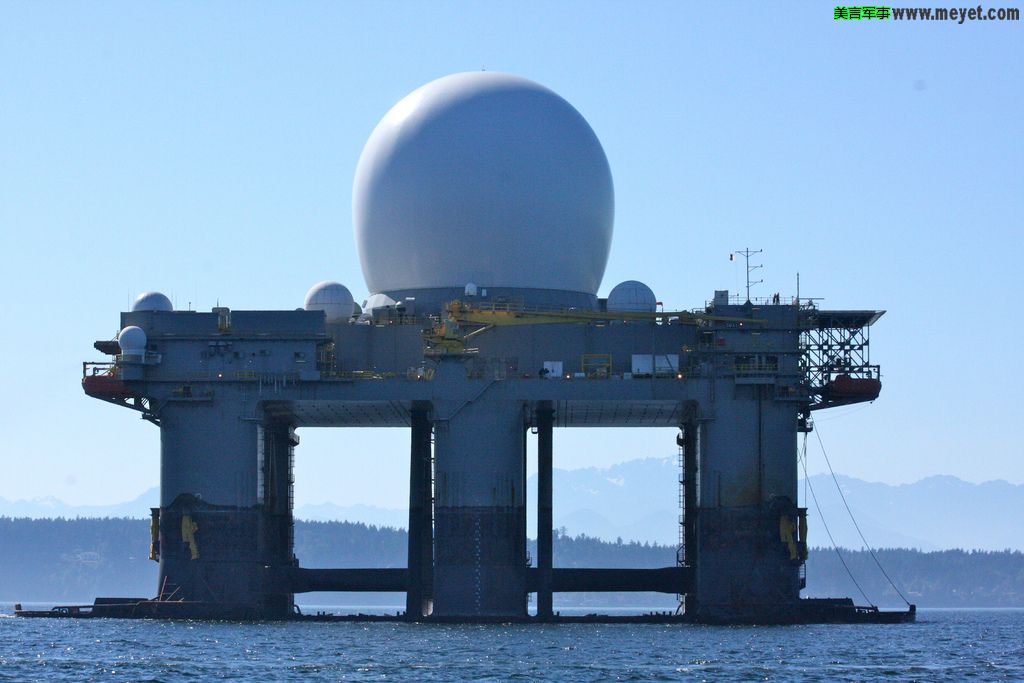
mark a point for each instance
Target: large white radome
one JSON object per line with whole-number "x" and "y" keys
{"x": 485, "y": 178}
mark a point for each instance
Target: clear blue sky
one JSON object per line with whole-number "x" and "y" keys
{"x": 207, "y": 150}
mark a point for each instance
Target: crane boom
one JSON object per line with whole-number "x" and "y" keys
{"x": 512, "y": 314}
{"x": 450, "y": 335}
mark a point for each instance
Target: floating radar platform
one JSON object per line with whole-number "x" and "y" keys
{"x": 483, "y": 210}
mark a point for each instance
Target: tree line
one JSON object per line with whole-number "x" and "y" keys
{"x": 74, "y": 560}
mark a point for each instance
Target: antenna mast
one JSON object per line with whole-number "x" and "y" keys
{"x": 747, "y": 253}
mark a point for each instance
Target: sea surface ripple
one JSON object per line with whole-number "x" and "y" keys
{"x": 948, "y": 645}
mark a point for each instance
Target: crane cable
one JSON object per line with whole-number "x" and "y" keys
{"x": 852, "y": 518}
{"x": 839, "y": 554}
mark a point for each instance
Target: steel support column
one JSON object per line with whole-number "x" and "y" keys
{"x": 690, "y": 504}
{"x": 545, "y": 419}
{"x": 276, "y": 540}
{"x": 211, "y": 517}
{"x": 419, "y": 594}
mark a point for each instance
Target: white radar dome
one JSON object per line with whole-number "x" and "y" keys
{"x": 333, "y": 299}
{"x": 483, "y": 177}
{"x": 632, "y": 296}
{"x": 132, "y": 341}
{"x": 152, "y": 301}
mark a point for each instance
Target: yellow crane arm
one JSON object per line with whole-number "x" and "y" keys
{"x": 503, "y": 314}
{"x": 450, "y": 337}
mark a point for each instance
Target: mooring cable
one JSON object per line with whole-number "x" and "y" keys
{"x": 852, "y": 518}
{"x": 839, "y": 554}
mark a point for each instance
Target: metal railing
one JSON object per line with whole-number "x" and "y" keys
{"x": 738, "y": 299}
{"x": 99, "y": 369}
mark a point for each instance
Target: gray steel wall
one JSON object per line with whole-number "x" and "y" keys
{"x": 480, "y": 510}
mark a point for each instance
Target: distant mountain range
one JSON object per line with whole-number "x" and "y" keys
{"x": 637, "y": 500}
{"x": 50, "y": 507}
{"x": 138, "y": 508}
{"x": 367, "y": 514}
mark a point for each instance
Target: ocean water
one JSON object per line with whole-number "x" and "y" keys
{"x": 945, "y": 645}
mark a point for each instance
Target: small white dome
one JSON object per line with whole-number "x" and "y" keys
{"x": 152, "y": 301}
{"x": 632, "y": 295}
{"x": 132, "y": 341}
{"x": 333, "y": 299}
{"x": 377, "y": 301}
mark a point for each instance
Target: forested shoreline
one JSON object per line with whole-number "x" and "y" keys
{"x": 78, "y": 559}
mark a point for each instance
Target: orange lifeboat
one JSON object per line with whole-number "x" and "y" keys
{"x": 846, "y": 388}
{"x": 106, "y": 387}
